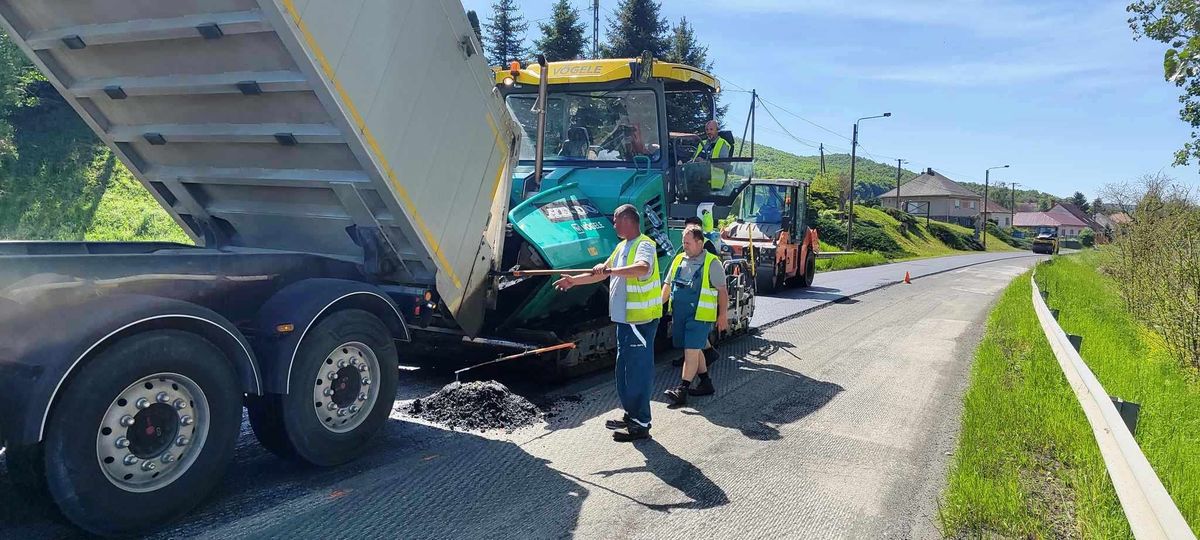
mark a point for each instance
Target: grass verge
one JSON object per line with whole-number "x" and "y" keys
{"x": 1027, "y": 464}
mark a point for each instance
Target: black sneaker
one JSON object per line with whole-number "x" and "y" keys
{"x": 617, "y": 424}
{"x": 632, "y": 433}
{"x": 703, "y": 388}
{"x": 711, "y": 356}
{"x": 678, "y": 395}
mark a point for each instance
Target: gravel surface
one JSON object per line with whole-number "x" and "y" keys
{"x": 476, "y": 406}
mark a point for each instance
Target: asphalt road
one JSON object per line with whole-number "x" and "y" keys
{"x": 834, "y": 424}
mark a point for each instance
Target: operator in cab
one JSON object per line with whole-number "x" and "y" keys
{"x": 713, "y": 147}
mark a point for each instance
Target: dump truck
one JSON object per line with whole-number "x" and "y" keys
{"x": 357, "y": 183}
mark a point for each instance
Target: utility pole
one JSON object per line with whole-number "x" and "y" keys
{"x": 822, "y": 158}
{"x": 853, "y": 160}
{"x": 1012, "y": 208}
{"x": 899, "y": 162}
{"x": 595, "y": 28}
{"x": 986, "y": 177}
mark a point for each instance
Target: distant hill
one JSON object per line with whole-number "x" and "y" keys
{"x": 871, "y": 178}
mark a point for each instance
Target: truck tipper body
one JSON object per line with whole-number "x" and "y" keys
{"x": 368, "y": 130}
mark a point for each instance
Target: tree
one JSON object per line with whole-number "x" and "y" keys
{"x": 1097, "y": 206}
{"x": 1080, "y": 201}
{"x": 637, "y": 27}
{"x": 1176, "y": 23}
{"x": 689, "y": 111}
{"x": 506, "y": 33}
{"x": 562, "y": 37}
{"x": 1087, "y": 237}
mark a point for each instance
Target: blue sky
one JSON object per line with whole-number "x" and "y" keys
{"x": 1057, "y": 89}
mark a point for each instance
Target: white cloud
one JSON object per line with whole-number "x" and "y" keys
{"x": 991, "y": 18}
{"x": 979, "y": 73}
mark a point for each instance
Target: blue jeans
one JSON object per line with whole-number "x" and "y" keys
{"x": 635, "y": 369}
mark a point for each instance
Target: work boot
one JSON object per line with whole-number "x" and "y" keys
{"x": 617, "y": 424}
{"x": 632, "y": 433}
{"x": 678, "y": 395}
{"x": 703, "y": 388}
{"x": 711, "y": 355}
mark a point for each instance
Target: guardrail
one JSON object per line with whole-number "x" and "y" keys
{"x": 1147, "y": 505}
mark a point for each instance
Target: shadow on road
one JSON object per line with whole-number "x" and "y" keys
{"x": 673, "y": 471}
{"x": 414, "y": 481}
{"x": 755, "y": 394}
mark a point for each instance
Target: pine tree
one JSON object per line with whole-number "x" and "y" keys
{"x": 506, "y": 33}
{"x": 638, "y": 27}
{"x": 689, "y": 111}
{"x": 562, "y": 37}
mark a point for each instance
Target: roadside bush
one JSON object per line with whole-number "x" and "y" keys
{"x": 1088, "y": 238}
{"x": 1003, "y": 235}
{"x": 1156, "y": 259}
{"x": 952, "y": 238}
{"x": 905, "y": 218}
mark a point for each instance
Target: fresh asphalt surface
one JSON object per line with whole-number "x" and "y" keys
{"x": 829, "y": 423}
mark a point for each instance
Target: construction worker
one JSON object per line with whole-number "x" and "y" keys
{"x": 635, "y": 306}
{"x": 713, "y": 147}
{"x": 695, "y": 288}
{"x": 710, "y": 352}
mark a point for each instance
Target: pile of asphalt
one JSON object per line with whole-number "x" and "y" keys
{"x": 480, "y": 406}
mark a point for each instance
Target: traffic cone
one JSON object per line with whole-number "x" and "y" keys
{"x": 907, "y": 279}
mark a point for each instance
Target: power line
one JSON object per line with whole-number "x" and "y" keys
{"x": 805, "y": 142}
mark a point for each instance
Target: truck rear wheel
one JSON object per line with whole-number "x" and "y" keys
{"x": 342, "y": 387}
{"x": 142, "y": 433}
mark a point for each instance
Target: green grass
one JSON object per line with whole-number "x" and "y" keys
{"x": 59, "y": 182}
{"x": 128, "y": 212}
{"x": 856, "y": 260}
{"x": 920, "y": 243}
{"x": 1027, "y": 464}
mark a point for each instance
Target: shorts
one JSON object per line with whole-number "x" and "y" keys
{"x": 688, "y": 333}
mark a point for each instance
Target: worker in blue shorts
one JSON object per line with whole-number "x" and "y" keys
{"x": 695, "y": 289}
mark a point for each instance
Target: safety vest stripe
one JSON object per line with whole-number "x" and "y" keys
{"x": 648, "y": 286}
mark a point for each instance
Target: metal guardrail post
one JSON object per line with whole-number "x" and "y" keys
{"x": 1148, "y": 507}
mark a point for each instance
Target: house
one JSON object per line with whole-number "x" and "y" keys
{"x": 1028, "y": 207}
{"x": 1082, "y": 216}
{"x": 943, "y": 199}
{"x": 1058, "y": 218}
{"x": 1001, "y": 215}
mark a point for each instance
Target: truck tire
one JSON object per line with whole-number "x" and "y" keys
{"x": 342, "y": 387}
{"x": 142, "y": 433}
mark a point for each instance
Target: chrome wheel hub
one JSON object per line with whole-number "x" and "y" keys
{"x": 345, "y": 391}
{"x": 152, "y": 432}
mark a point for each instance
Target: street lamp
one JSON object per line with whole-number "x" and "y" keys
{"x": 986, "y": 177}
{"x": 899, "y": 162}
{"x": 853, "y": 159}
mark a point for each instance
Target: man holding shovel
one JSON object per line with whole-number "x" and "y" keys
{"x": 635, "y": 305}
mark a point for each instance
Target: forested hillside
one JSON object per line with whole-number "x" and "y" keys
{"x": 57, "y": 181}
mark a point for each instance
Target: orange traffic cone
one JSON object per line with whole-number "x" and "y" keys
{"x": 907, "y": 279}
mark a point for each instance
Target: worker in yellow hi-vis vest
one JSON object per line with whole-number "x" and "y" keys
{"x": 695, "y": 288}
{"x": 635, "y": 306}
{"x": 713, "y": 147}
